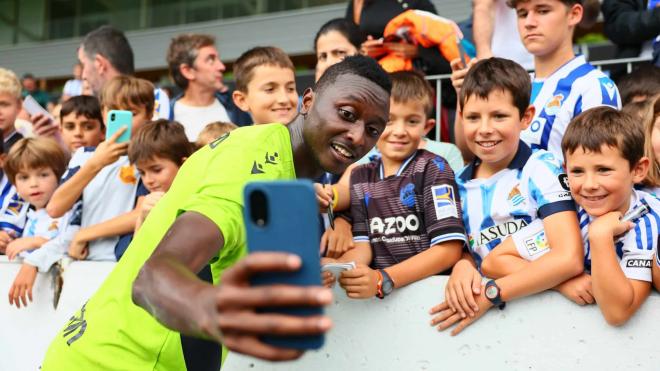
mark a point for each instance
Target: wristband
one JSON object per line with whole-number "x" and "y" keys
{"x": 335, "y": 197}
{"x": 379, "y": 285}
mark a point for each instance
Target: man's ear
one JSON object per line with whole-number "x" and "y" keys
{"x": 430, "y": 123}
{"x": 101, "y": 64}
{"x": 3, "y": 157}
{"x": 527, "y": 117}
{"x": 240, "y": 100}
{"x": 641, "y": 169}
{"x": 307, "y": 100}
{"x": 187, "y": 71}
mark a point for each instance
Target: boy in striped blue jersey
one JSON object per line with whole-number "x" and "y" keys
{"x": 507, "y": 187}
{"x": 604, "y": 150}
{"x": 563, "y": 84}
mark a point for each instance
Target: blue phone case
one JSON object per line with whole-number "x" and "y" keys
{"x": 291, "y": 226}
{"x": 117, "y": 119}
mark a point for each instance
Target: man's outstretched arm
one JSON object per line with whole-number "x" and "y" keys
{"x": 168, "y": 288}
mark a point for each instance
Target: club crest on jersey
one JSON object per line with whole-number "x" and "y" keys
{"x": 127, "y": 174}
{"x": 407, "y": 195}
{"x": 515, "y": 197}
{"x": 444, "y": 201}
{"x": 553, "y": 106}
{"x": 14, "y": 207}
{"x": 53, "y": 225}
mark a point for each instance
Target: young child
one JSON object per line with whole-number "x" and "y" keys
{"x": 404, "y": 206}
{"x": 213, "y": 131}
{"x": 266, "y": 85}
{"x": 504, "y": 189}
{"x": 158, "y": 149}
{"x": 411, "y": 103}
{"x": 563, "y": 84}
{"x": 34, "y": 166}
{"x": 103, "y": 179}
{"x": 81, "y": 123}
{"x": 10, "y": 106}
{"x": 651, "y": 120}
{"x": 13, "y": 210}
{"x": 604, "y": 151}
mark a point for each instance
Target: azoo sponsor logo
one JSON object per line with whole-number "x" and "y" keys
{"x": 394, "y": 224}
{"x": 499, "y": 231}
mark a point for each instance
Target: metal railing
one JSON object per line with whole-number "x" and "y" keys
{"x": 438, "y": 79}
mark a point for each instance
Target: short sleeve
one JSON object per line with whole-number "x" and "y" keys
{"x": 548, "y": 185}
{"x": 442, "y": 206}
{"x": 226, "y": 214}
{"x": 598, "y": 92}
{"x": 639, "y": 245}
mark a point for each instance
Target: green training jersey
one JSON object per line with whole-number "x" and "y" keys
{"x": 109, "y": 332}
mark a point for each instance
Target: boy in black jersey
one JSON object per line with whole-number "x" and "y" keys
{"x": 406, "y": 213}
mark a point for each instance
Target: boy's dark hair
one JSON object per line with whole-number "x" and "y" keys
{"x": 184, "y": 50}
{"x": 348, "y": 29}
{"x": 127, "y": 92}
{"x": 160, "y": 138}
{"x": 34, "y": 153}
{"x": 643, "y": 81}
{"x": 514, "y": 3}
{"x": 501, "y": 74}
{"x": 358, "y": 65}
{"x": 255, "y": 57}
{"x": 82, "y": 105}
{"x": 111, "y": 44}
{"x": 600, "y": 126}
{"x": 412, "y": 86}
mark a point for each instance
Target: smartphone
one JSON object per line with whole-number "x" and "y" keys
{"x": 118, "y": 119}
{"x": 463, "y": 54}
{"x": 31, "y": 106}
{"x": 282, "y": 216}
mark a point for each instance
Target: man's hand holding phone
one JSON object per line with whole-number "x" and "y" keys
{"x": 229, "y": 311}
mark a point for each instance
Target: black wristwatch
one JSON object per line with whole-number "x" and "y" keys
{"x": 387, "y": 285}
{"x": 492, "y": 293}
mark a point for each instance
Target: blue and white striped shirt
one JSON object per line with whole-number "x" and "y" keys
{"x": 573, "y": 88}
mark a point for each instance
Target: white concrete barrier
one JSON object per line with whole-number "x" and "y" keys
{"x": 27, "y": 332}
{"x": 543, "y": 332}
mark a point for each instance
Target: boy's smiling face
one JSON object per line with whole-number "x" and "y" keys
{"x": 271, "y": 95}
{"x": 405, "y": 129}
{"x": 492, "y": 128}
{"x": 603, "y": 181}
{"x": 544, "y": 25}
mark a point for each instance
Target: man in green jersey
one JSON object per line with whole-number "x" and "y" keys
{"x": 158, "y": 309}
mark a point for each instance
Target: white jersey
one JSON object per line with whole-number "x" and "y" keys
{"x": 57, "y": 246}
{"x": 13, "y": 210}
{"x": 506, "y": 42}
{"x": 194, "y": 119}
{"x": 573, "y": 88}
{"x": 40, "y": 224}
{"x": 161, "y": 104}
{"x": 532, "y": 186}
{"x": 635, "y": 248}
{"x": 111, "y": 193}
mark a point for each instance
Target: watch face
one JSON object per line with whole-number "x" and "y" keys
{"x": 491, "y": 292}
{"x": 387, "y": 286}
